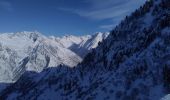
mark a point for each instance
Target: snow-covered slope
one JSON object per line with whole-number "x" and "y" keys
{"x": 33, "y": 51}
{"x": 91, "y": 42}
{"x": 167, "y": 97}
{"x": 133, "y": 63}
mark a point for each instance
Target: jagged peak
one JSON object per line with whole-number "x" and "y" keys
{"x": 27, "y": 33}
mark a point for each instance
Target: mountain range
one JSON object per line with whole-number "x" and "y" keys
{"x": 132, "y": 63}
{"x": 32, "y": 51}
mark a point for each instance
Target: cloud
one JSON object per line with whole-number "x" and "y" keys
{"x": 113, "y": 10}
{"x": 108, "y": 27}
{"x": 6, "y": 5}
{"x": 105, "y": 9}
{"x": 100, "y": 4}
{"x": 102, "y": 14}
{"x": 115, "y": 21}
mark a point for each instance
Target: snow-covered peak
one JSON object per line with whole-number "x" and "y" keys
{"x": 33, "y": 51}
{"x": 69, "y": 40}
{"x": 81, "y": 45}
{"x": 95, "y": 39}
{"x": 32, "y": 35}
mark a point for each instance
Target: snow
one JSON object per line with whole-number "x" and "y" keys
{"x": 41, "y": 52}
{"x": 69, "y": 40}
{"x": 127, "y": 66}
{"x": 167, "y": 97}
{"x": 166, "y": 30}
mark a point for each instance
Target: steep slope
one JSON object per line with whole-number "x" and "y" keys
{"x": 33, "y": 52}
{"x": 86, "y": 46}
{"x": 133, "y": 63}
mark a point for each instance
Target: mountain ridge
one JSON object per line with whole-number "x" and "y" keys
{"x": 23, "y": 51}
{"x": 131, "y": 64}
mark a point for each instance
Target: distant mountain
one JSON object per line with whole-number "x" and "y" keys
{"x": 33, "y": 51}
{"x": 83, "y": 44}
{"x": 132, "y": 63}
{"x": 86, "y": 45}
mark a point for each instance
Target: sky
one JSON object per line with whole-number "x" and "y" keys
{"x": 61, "y": 17}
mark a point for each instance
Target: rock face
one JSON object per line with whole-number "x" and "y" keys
{"x": 133, "y": 63}
{"x": 32, "y": 51}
